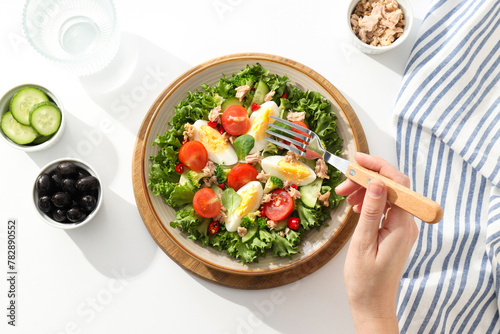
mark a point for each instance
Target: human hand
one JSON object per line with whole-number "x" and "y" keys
{"x": 378, "y": 250}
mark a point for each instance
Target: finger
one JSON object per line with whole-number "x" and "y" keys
{"x": 372, "y": 210}
{"x": 356, "y": 197}
{"x": 382, "y": 167}
{"x": 398, "y": 230}
{"x": 398, "y": 220}
{"x": 359, "y": 206}
{"x": 347, "y": 187}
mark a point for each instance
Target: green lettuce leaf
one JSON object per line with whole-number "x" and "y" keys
{"x": 311, "y": 217}
{"x": 283, "y": 247}
{"x": 319, "y": 116}
{"x": 189, "y": 222}
{"x": 180, "y": 195}
{"x": 196, "y": 106}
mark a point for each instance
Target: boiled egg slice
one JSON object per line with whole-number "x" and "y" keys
{"x": 251, "y": 196}
{"x": 219, "y": 151}
{"x": 295, "y": 171}
{"x": 258, "y": 124}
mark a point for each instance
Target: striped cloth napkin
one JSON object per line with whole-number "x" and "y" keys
{"x": 448, "y": 143}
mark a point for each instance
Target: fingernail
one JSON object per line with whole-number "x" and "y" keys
{"x": 361, "y": 154}
{"x": 375, "y": 189}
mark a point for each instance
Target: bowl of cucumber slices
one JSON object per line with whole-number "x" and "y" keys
{"x": 31, "y": 118}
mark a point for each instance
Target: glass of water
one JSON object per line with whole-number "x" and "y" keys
{"x": 80, "y": 34}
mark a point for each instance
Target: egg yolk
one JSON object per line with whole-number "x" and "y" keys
{"x": 293, "y": 171}
{"x": 249, "y": 199}
{"x": 212, "y": 139}
{"x": 259, "y": 125}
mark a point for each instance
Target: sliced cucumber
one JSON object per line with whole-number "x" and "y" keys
{"x": 260, "y": 93}
{"x": 45, "y": 118}
{"x": 217, "y": 190}
{"x": 17, "y": 132}
{"x": 23, "y": 101}
{"x": 309, "y": 193}
{"x": 230, "y": 102}
{"x": 281, "y": 225}
{"x": 250, "y": 233}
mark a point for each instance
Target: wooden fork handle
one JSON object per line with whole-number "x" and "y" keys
{"x": 397, "y": 194}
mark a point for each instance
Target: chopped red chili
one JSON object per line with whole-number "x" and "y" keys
{"x": 212, "y": 124}
{"x": 213, "y": 228}
{"x": 255, "y": 106}
{"x": 179, "y": 168}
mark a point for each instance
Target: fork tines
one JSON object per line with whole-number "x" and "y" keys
{"x": 293, "y": 125}
{"x": 298, "y": 145}
{"x": 283, "y": 145}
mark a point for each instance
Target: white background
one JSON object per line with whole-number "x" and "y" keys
{"x": 109, "y": 276}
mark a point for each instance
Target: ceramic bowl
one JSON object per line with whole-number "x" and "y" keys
{"x": 405, "y": 6}
{"x": 5, "y": 106}
{"x": 51, "y": 167}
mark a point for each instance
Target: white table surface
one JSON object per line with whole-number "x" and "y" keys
{"x": 109, "y": 276}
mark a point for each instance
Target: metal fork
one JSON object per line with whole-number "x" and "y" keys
{"x": 397, "y": 194}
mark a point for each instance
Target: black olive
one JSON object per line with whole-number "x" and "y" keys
{"x": 94, "y": 193}
{"x": 44, "y": 204}
{"x": 56, "y": 180}
{"x": 61, "y": 199}
{"x": 87, "y": 183}
{"x": 88, "y": 203}
{"x": 75, "y": 215}
{"x": 66, "y": 170}
{"x": 82, "y": 173}
{"x": 59, "y": 215}
{"x": 44, "y": 184}
{"x": 68, "y": 185}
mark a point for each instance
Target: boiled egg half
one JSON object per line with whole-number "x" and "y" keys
{"x": 251, "y": 196}
{"x": 258, "y": 124}
{"x": 295, "y": 171}
{"x": 219, "y": 151}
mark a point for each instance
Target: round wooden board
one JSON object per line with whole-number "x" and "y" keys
{"x": 194, "y": 265}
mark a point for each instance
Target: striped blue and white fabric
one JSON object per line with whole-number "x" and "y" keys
{"x": 448, "y": 143}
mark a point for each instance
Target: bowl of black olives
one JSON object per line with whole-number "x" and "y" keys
{"x": 67, "y": 193}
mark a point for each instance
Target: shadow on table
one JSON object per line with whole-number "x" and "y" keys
{"x": 127, "y": 87}
{"x": 309, "y": 305}
{"x": 116, "y": 241}
{"x": 384, "y": 142}
{"x": 84, "y": 142}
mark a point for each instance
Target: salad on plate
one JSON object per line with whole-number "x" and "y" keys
{"x": 233, "y": 190}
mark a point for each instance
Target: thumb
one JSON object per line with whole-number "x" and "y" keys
{"x": 373, "y": 207}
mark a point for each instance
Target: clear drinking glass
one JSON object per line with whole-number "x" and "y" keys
{"x": 80, "y": 34}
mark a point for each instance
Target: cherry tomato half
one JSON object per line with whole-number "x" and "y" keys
{"x": 206, "y": 203}
{"x": 235, "y": 120}
{"x": 193, "y": 155}
{"x": 300, "y": 132}
{"x": 280, "y": 206}
{"x": 241, "y": 175}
